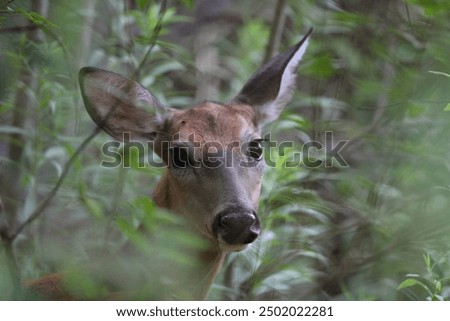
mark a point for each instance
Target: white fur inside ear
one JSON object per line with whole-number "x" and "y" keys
{"x": 271, "y": 110}
{"x": 289, "y": 74}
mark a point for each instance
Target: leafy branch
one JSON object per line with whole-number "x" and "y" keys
{"x": 46, "y": 201}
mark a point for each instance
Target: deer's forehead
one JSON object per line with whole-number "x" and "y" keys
{"x": 210, "y": 122}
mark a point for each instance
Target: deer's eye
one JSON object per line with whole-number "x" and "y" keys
{"x": 255, "y": 150}
{"x": 179, "y": 157}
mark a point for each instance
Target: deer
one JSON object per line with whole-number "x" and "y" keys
{"x": 218, "y": 198}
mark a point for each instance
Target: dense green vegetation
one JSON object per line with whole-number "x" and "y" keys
{"x": 376, "y": 74}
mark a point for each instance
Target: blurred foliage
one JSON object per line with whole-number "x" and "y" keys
{"x": 376, "y": 74}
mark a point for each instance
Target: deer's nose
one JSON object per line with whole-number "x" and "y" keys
{"x": 237, "y": 226}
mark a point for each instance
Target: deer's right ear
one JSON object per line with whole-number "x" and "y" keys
{"x": 120, "y": 105}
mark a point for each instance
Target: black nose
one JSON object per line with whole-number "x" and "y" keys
{"x": 237, "y": 225}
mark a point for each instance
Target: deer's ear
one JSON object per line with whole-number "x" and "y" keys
{"x": 120, "y": 105}
{"x": 271, "y": 87}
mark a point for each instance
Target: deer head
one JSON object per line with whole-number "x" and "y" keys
{"x": 212, "y": 151}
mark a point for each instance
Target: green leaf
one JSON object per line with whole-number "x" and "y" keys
{"x": 37, "y": 19}
{"x": 413, "y": 282}
{"x": 432, "y": 7}
{"x": 436, "y": 297}
{"x": 188, "y": 3}
{"x": 427, "y": 260}
{"x": 407, "y": 283}
{"x": 438, "y": 286}
{"x": 94, "y": 207}
{"x": 426, "y": 283}
{"x": 320, "y": 67}
{"x": 415, "y": 110}
{"x": 447, "y": 108}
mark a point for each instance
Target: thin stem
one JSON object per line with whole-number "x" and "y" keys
{"x": 276, "y": 30}
{"x": 154, "y": 37}
{"x": 43, "y": 205}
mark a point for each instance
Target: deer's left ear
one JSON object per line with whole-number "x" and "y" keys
{"x": 271, "y": 86}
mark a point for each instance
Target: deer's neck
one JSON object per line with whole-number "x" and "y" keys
{"x": 210, "y": 259}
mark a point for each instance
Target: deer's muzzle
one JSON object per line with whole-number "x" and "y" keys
{"x": 236, "y": 226}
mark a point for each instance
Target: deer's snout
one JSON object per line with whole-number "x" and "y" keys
{"x": 236, "y": 226}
